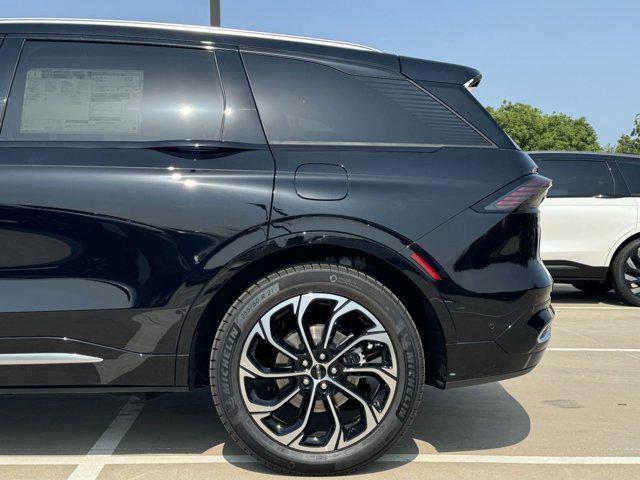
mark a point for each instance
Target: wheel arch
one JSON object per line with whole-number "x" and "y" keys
{"x": 398, "y": 273}
{"x": 620, "y": 244}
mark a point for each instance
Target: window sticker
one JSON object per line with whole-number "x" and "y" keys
{"x": 82, "y": 101}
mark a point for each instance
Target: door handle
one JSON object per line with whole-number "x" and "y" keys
{"x": 201, "y": 149}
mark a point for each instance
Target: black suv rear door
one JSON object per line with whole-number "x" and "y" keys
{"x": 124, "y": 168}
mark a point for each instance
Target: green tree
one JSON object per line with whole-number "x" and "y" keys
{"x": 532, "y": 129}
{"x": 630, "y": 143}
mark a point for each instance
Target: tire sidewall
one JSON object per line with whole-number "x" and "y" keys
{"x": 618, "y": 271}
{"x": 318, "y": 279}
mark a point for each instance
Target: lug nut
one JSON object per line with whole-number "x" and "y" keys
{"x": 305, "y": 363}
{"x": 322, "y": 356}
{"x": 333, "y": 370}
{"x": 369, "y": 346}
{"x": 323, "y": 386}
{"x": 306, "y": 381}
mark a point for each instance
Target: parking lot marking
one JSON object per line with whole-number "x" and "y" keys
{"x": 99, "y": 461}
{"x": 555, "y": 349}
{"x": 90, "y": 466}
{"x": 511, "y": 459}
{"x": 592, "y": 307}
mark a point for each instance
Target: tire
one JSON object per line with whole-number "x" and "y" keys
{"x": 593, "y": 288}
{"x": 625, "y": 273}
{"x": 390, "y": 346}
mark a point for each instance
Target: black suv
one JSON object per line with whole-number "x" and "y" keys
{"x": 312, "y": 229}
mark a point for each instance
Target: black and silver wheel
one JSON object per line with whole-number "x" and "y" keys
{"x": 625, "y": 273}
{"x": 317, "y": 369}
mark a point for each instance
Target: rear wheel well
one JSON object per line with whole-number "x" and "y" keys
{"x": 626, "y": 241}
{"x": 426, "y": 321}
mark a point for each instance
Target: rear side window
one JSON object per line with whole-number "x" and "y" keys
{"x": 307, "y": 102}
{"x": 631, "y": 173}
{"x": 577, "y": 178}
{"x": 113, "y": 92}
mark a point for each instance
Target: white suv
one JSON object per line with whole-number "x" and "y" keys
{"x": 590, "y": 221}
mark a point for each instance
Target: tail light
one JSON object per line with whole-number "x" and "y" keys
{"x": 524, "y": 194}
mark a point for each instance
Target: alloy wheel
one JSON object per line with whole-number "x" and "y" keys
{"x": 632, "y": 272}
{"x": 318, "y": 372}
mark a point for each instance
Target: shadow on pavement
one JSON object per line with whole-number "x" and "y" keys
{"x": 469, "y": 419}
{"x": 459, "y": 420}
{"x": 474, "y": 418}
{"x": 178, "y": 423}
{"x": 566, "y": 294}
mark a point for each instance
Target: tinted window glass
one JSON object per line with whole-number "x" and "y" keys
{"x": 302, "y": 101}
{"x": 631, "y": 173}
{"x": 577, "y": 178}
{"x": 9, "y": 53}
{"x": 241, "y": 120}
{"x": 96, "y": 91}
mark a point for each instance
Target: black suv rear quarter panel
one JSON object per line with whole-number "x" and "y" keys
{"x": 408, "y": 191}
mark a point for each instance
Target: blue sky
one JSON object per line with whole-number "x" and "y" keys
{"x": 578, "y": 57}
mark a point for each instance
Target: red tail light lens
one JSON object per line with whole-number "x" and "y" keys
{"x": 529, "y": 193}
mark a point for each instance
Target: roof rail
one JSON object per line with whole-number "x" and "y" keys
{"x": 187, "y": 28}
{"x": 634, "y": 156}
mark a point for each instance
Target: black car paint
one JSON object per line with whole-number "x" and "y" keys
{"x": 153, "y": 250}
{"x": 106, "y": 212}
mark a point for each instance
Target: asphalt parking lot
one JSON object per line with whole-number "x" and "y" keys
{"x": 576, "y": 416}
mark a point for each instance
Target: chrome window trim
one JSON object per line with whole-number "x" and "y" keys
{"x": 372, "y": 144}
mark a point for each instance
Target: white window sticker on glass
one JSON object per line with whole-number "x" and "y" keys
{"x": 82, "y": 101}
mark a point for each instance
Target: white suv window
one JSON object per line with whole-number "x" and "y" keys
{"x": 631, "y": 173}
{"x": 578, "y": 178}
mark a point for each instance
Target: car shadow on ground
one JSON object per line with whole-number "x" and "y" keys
{"x": 469, "y": 419}
{"x": 459, "y": 420}
{"x": 566, "y": 294}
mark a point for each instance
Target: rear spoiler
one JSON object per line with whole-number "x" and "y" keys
{"x": 430, "y": 71}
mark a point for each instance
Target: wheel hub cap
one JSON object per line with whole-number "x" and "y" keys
{"x": 318, "y": 372}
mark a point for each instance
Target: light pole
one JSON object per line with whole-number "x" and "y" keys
{"x": 215, "y": 13}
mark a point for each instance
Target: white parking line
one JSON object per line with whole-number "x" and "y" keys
{"x": 634, "y": 350}
{"x": 538, "y": 460}
{"x": 593, "y": 307}
{"x": 89, "y": 467}
{"x": 100, "y": 461}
